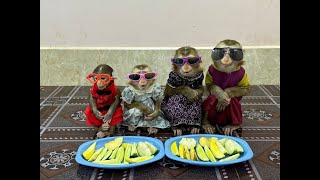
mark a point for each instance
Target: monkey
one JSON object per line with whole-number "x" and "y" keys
{"x": 142, "y": 99}
{"x": 104, "y": 111}
{"x": 183, "y": 92}
{"x": 227, "y": 82}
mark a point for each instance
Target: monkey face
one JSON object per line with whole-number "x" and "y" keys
{"x": 142, "y": 79}
{"x": 102, "y": 80}
{"x": 187, "y": 69}
{"x": 227, "y": 58}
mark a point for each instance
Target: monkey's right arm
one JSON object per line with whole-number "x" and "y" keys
{"x": 143, "y": 108}
{"x": 94, "y": 109}
{"x": 186, "y": 91}
{"x": 219, "y": 93}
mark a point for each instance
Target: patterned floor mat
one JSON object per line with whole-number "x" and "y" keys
{"x": 63, "y": 129}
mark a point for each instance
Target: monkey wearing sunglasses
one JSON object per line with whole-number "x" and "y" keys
{"x": 227, "y": 82}
{"x": 104, "y": 111}
{"x": 183, "y": 92}
{"x": 142, "y": 99}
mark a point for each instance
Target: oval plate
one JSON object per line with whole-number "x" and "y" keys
{"x": 126, "y": 139}
{"x": 246, "y": 155}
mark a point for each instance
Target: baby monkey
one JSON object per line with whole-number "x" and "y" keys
{"x": 104, "y": 111}
{"x": 142, "y": 99}
{"x": 227, "y": 82}
{"x": 183, "y": 92}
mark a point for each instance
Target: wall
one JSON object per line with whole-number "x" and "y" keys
{"x": 76, "y": 35}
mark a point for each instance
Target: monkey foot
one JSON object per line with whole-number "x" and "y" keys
{"x": 194, "y": 130}
{"x": 152, "y": 130}
{"x": 131, "y": 128}
{"x": 101, "y": 134}
{"x": 178, "y": 131}
{"x": 209, "y": 129}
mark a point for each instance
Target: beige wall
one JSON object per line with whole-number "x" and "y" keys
{"x": 158, "y": 23}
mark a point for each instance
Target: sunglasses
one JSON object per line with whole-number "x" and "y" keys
{"x": 138, "y": 76}
{"x": 235, "y": 53}
{"x": 188, "y": 60}
{"x": 105, "y": 78}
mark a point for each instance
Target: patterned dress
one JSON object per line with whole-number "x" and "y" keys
{"x": 134, "y": 116}
{"x": 104, "y": 99}
{"x": 177, "y": 108}
{"x": 232, "y": 115}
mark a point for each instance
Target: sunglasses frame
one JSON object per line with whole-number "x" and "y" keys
{"x": 227, "y": 52}
{"x": 110, "y": 78}
{"x": 142, "y": 74}
{"x": 185, "y": 60}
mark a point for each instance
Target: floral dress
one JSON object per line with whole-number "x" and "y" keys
{"x": 134, "y": 116}
{"x": 177, "y": 108}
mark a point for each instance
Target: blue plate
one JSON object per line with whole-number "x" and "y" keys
{"x": 246, "y": 155}
{"x": 126, "y": 139}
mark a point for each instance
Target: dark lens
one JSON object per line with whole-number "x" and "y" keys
{"x": 149, "y": 76}
{"x": 236, "y": 54}
{"x": 177, "y": 61}
{"x": 193, "y": 60}
{"x": 134, "y": 77}
{"x": 217, "y": 54}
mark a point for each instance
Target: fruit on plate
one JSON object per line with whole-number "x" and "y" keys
{"x": 223, "y": 141}
{"x": 209, "y": 154}
{"x": 139, "y": 159}
{"x": 233, "y": 147}
{"x": 89, "y": 152}
{"x": 143, "y": 149}
{"x": 102, "y": 154}
{"x": 193, "y": 155}
{"x": 152, "y": 148}
{"x": 233, "y": 157}
{"x": 134, "y": 152}
{"x": 108, "y": 153}
{"x": 188, "y": 142}
{"x": 201, "y": 154}
{"x": 181, "y": 151}
{"x": 174, "y": 148}
{"x": 95, "y": 154}
{"x": 114, "y": 143}
{"x": 120, "y": 155}
{"x": 116, "y": 152}
{"x": 213, "y": 139}
{"x": 107, "y": 162}
{"x": 216, "y": 151}
{"x": 203, "y": 141}
{"x": 224, "y": 149}
{"x": 186, "y": 153}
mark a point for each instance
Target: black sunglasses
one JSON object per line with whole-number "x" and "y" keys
{"x": 235, "y": 53}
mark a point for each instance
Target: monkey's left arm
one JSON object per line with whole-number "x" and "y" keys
{"x": 112, "y": 109}
{"x": 242, "y": 89}
{"x": 238, "y": 91}
{"x": 156, "y": 111}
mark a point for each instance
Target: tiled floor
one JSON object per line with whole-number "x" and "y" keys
{"x": 63, "y": 129}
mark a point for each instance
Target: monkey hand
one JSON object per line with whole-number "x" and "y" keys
{"x": 208, "y": 129}
{"x": 147, "y": 111}
{"x": 228, "y": 130}
{"x": 223, "y": 97}
{"x": 229, "y": 92}
{"x": 107, "y": 118}
{"x": 192, "y": 95}
{"x": 152, "y": 115}
{"x": 97, "y": 114}
{"x": 105, "y": 126}
{"x": 221, "y": 106}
